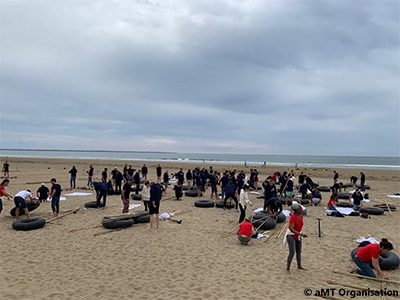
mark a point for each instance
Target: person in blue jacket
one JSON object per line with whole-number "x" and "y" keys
{"x": 231, "y": 193}
{"x": 101, "y": 192}
{"x": 136, "y": 180}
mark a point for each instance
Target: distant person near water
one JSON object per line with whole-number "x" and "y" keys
{"x": 6, "y": 169}
{"x": 72, "y": 180}
{"x": 158, "y": 173}
{"x": 144, "y": 171}
{"x": 335, "y": 177}
{"x": 362, "y": 181}
{"x": 90, "y": 176}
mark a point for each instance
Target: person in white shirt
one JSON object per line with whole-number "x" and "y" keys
{"x": 243, "y": 201}
{"x": 20, "y": 201}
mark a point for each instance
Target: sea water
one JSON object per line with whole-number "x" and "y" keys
{"x": 254, "y": 160}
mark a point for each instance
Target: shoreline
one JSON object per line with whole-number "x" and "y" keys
{"x": 216, "y": 162}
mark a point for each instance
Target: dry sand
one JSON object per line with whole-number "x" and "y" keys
{"x": 67, "y": 260}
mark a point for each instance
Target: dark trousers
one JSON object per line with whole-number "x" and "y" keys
{"x": 55, "y": 204}
{"x": 100, "y": 195}
{"x": 242, "y": 213}
{"x": 118, "y": 187}
{"x": 137, "y": 188}
{"x": 146, "y": 205}
{"x": 234, "y": 199}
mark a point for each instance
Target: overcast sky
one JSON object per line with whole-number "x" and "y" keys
{"x": 214, "y": 76}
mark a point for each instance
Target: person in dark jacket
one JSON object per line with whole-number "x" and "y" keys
{"x": 165, "y": 180}
{"x": 55, "y": 194}
{"x": 269, "y": 192}
{"x": 154, "y": 204}
{"x": 231, "y": 193}
{"x": 104, "y": 175}
{"x": 178, "y": 191}
{"x": 42, "y": 193}
{"x": 362, "y": 181}
{"x": 136, "y": 180}
{"x": 72, "y": 180}
{"x": 118, "y": 182}
{"x": 144, "y": 171}
{"x": 101, "y": 192}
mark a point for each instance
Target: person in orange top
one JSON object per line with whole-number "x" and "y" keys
{"x": 246, "y": 230}
{"x": 369, "y": 255}
{"x": 3, "y": 192}
{"x": 294, "y": 238}
{"x": 332, "y": 201}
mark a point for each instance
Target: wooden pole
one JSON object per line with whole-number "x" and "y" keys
{"x": 63, "y": 215}
{"x": 366, "y": 277}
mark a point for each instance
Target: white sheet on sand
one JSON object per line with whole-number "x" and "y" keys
{"x": 132, "y": 206}
{"x": 393, "y": 196}
{"x": 165, "y": 215}
{"x": 343, "y": 210}
{"x": 370, "y": 239}
{"x": 78, "y": 194}
{"x": 61, "y": 199}
{"x": 257, "y": 210}
{"x": 286, "y": 212}
{"x": 255, "y": 193}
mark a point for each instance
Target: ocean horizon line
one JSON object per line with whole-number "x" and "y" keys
{"x": 174, "y": 152}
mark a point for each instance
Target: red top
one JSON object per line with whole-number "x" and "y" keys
{"x": 331, "y": 202}
{"x": 1, "y": 190}
{"x": 368, "y": 252}
{"x": 298, "y": 224}
{"x": 245, "y": 228}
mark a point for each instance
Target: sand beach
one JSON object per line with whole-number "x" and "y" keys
{"x": 74, "y": 257}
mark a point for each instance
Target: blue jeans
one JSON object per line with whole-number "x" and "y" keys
{"x": 72, "y": 182}
{"x": 365, "y": 268}
{"x": 89, "y": 182}
{"x": 55, "y": 204}
{"x": 362, "y": 186}
{"x": 223, "y": 192}
{"x": 356, "y": 207}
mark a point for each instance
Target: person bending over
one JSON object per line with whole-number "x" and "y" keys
{"x": 367, "y": 257}
{"x": 230, "y": 193}
{"x": 274, "y": 207}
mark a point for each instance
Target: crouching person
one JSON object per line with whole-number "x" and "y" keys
{"x": 246, "y": 230}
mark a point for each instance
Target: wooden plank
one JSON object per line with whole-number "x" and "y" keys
{"x": 63, "y": 215}
{"x": 365, "y": 277}
{"x": 108, "y": 219}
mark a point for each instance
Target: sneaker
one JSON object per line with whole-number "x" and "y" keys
{"x": 223, "y": 208}
{"x": 236, "y": 210}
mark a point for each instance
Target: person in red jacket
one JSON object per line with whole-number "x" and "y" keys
{"x": 246, "y": 230}
{"x": 367, "y": 257}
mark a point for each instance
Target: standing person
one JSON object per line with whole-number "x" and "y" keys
{"x": 101, "y": 192}
{"x": 6, "y": 169}
{"x": 362, "y": 181}
{"x": 243, "y": 201}
{"x": 42, "y": 193}
{"x": 256, "y": 179}
{"x": 158, "y": 173}
{"x": 335, "y": 177}
{"x": 113, "y": 177}
{"x": 166, "y": 180}
{"x": 3, "y": 192}
{"x": 146, "y": 195}
{"x": 213, "y": 185}
{"x": 90, "y": 176}
{"x": 197, "y": 180}
{"x": 288, "y": 189}
{"x": 222, "y": 183}
{"x": 104, "y": 175}
{"x": 189, "y": 179}
{"x": 125, "y": 194}
{"x": 55, "y": 193}
{"x": 368, "y": 256}
{"x": 294, "y": 236}
{"x": 154, "y": 204}
{"x": 72, "y": 180}
{"x": 269, "y": 192}
{"x": 118, "y": 182}
{"x": 136, "y": 179}
{"x": 20, "y": 201}
{"x": 231, "y": 193}
{"x": 246, "y": 230}
{"x": 144, "y": 171}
